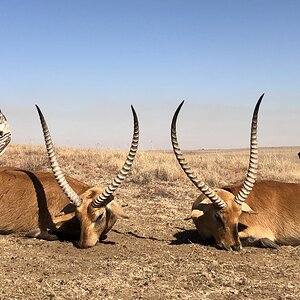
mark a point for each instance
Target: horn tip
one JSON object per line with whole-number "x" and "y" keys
{"x": 261, "y": 97}
{"x": 133, "y": 110}
{"x": 38, "y": 109}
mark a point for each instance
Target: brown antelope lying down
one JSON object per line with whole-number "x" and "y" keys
{"x": 5, "y": 133}
{"x": 44, "y": 205}
{"x": 271, "y": 215}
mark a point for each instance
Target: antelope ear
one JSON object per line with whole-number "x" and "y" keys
{"x": 206, "y": 201}
{"x": 117, "y": 210}
{"x": 69, "y": 208}
{"x": 58, "y": 220}
{"x": 201, "y": 208}
{"x": 247, "y": 209}
{"x": 197, "y": 213}
{"x": 66, "y": 214}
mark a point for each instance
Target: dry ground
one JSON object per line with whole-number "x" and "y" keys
{"x": 155, "y": 254}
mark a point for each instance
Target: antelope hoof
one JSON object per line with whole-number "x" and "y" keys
{"x": 262, "y": 243}
{"x": 267, "y": 243}
{"x": 41, "y": 234}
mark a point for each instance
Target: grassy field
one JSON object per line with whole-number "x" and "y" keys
{"x": 216, "y": 167}
{"x": 155, "y": 254}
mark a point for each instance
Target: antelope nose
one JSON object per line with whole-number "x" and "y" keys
{"x": 221, "y": 246}
{"x": 236, "y": 247}
{"x": 1, "y": 133}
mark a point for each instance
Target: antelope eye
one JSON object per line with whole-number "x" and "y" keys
{"x": 219, "y": 218}
{"x": 99, "y": 217}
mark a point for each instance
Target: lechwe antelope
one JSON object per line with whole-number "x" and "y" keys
{"x": 270, "y": 217}
{"x": 5, "y": 133}
{"x": 43, "y": 205}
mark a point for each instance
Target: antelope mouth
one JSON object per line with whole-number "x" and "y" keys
{"x": 221, "y": 246}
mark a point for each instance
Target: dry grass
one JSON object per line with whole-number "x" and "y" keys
{"x": 217, "y": 168}
{"x": 155, "y": 254}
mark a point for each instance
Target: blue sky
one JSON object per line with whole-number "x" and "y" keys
{"x": 85, "y": 62}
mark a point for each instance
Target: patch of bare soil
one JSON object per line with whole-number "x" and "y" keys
{"x": 153, "y": 255}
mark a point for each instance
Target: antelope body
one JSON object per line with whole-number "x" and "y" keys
{"x": 44, "y": 204}
{"x": 270, "y": 218}
{"x": 264, "y": 213}
{"x": 30, "y": 201}
{"x": 277, "y": 212}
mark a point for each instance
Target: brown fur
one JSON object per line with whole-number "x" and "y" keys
{"x": 34, "y": 203}
{"x": 277, "y": 211}
{"x": 271, "y": 212}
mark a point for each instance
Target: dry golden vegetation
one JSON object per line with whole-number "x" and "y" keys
{"x": 217, "y": 168}
{"x": 155, "y": 254}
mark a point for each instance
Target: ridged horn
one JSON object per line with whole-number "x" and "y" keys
{"x": 104, "y": 198}
{"x": 5, "y": 137}
{"x": 202, "y": 186}
{"x": 253, "y": 162}
{"x": 58, "y": 174}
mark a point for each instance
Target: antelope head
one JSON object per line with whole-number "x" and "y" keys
{"x": 95, "y": 208}
{"x": 5, "y": 133}
{"x": 216, "y": 212}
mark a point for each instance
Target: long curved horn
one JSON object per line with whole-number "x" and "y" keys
{"x": 253, "y": 162}
{"x": 202, "y": 186}
{"x": 105, "y": 198}
{"x": 59, "y": 176}
{"x": 5, "y": 133}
